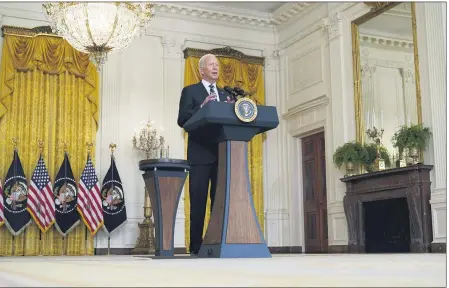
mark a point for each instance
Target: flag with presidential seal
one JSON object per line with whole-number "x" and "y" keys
{"x": 15, "y": 195}
{"x": 65, "y": 197}
{"x": 114, "y": 209}
{"x": 2, "y": 206}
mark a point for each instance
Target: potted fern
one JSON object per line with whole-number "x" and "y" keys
{"x": 351, "y": 154}
{"x": 371, "y": 150}
{"x": 414, "y": 138}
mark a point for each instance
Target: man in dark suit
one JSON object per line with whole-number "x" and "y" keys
{"x": 202, "y": 154}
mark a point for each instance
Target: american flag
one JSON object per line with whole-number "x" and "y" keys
{"x": 40, "y": 202}
{"x": 2, "y": 206}
{"x": 89, "y": 199}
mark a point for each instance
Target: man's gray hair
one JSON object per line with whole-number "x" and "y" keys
{"x": 202, "y": 62}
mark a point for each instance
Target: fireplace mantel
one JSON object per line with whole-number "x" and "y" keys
{"x": 411, "y": 182}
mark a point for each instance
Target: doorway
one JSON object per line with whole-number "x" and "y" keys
{"x": 314, "y": 193}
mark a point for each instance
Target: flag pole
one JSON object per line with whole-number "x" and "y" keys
{"x": 85, "y": 242}
{"x": 13, "y": 246}
{"x": 40, "y": 144}
{"x": 64, "y": 246}
{"x": 15, "y": 142}
{"x": 64, "y": 242}
{"x": 40, "y": 240}
{"x": 89, "y": 146}
{"x": 112, "y": 146}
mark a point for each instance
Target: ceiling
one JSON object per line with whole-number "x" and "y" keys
{"x": 263, "y": 7}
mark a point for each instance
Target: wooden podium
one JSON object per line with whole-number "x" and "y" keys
{"x": 164, "y": 180}
{"x": 234, "y": 230}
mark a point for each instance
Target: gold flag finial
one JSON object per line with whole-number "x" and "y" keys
{"x": 112, "y": 146}
{"x": 15, "y": 142}
{"x": 64, "y": 143}
{"x": 89, "y": 146}
{"x": 40, "y": 143}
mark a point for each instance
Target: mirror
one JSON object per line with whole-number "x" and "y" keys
{"x": 386, "y": 74}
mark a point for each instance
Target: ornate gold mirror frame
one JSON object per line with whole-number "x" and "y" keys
{"x": 377, "y": 9}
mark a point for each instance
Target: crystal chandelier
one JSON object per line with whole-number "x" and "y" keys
{"x": 98, "y": 28}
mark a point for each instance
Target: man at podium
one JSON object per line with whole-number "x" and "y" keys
{"x": 202, "y": 154}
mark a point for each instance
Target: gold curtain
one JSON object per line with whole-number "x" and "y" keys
{"x": 48, "y": 91}
{"x": 249, "y": 77}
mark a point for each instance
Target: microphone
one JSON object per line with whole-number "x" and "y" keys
{"x": 240, "y": 91}
{"x": 231, "y": 91}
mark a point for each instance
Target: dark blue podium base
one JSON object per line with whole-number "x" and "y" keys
{"x": 234, "y": 251}
{"x": 233, "y": 230}
{"x": 164, "y": 180}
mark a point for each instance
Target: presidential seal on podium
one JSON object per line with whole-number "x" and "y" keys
{"x": 245, "y": 109}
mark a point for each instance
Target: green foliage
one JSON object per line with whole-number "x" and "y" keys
{"x": 415, "y": 136}
{"x": 372, "y": 154}
{"x": 350, "y": 152}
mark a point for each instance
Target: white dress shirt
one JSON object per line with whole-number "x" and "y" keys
{"x": 207, "y": 84}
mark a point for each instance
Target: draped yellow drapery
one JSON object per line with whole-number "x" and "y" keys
{"x": 49, "y": 92}
{"x": 233, "y": 72}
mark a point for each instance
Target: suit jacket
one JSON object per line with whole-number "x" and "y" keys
{"x": 199, "y": 150}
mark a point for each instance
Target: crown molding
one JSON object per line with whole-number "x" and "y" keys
{"x": 283, "y": 14}
{"x": 290, "y": 11}
{"x": 391, "y": 41}
{"x": 217, "y": 13}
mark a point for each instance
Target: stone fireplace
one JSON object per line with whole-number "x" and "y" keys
{"x": 389, "y": 211}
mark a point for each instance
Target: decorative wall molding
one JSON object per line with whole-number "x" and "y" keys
{"x": 304, "y": 108}
{"x": 172, "y": 46}
{"x": 285, "y": 14}
{"x": 226, "y": 52}
{"x": 386, "y": 42}
{"x": 290, "y": 11}
{"x": 374, "y": 62}
{"x": 332, "y": 24}
{"x": 27, "y": 32}
{"x": 215, "y": 13}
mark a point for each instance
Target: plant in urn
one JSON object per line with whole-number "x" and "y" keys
{"x": 376, "y": 136}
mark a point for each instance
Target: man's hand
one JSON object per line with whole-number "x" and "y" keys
{"x": 211, "y": 97}
{"x": 229, "y": 100}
